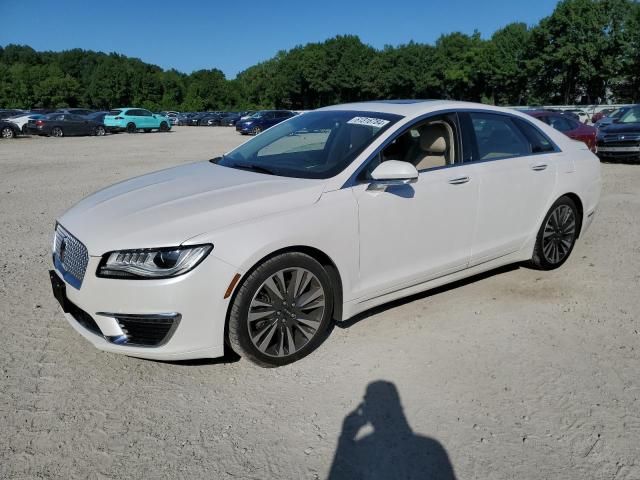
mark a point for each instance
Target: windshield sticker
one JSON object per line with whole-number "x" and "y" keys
{"x": 368, "y": 121}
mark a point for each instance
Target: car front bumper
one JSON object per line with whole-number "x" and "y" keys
{"x": 618, "y": 151}
{"x": 186, "y": 314}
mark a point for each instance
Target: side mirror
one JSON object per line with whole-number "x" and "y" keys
{"x": 393, "y": 173}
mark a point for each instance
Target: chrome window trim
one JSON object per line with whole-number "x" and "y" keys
{"x": 352, "y": 180}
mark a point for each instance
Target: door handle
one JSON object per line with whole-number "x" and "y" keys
{"x": 538, "y": 167}
{"x": 459, "y": 180}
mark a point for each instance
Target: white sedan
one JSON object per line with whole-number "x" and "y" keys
{"x": 315, "y": 220}
{"x": 21, "y": 120}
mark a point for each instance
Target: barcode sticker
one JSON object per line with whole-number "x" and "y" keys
{"x": 369, "y": 121}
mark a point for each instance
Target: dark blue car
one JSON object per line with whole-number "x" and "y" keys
{"x": 262, "y": 120}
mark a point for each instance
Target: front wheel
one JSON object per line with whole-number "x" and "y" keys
{"x": 99, "y": 131}
{"x": 164, "y": 127}
{"x": 256, "y": 130}
{"x": 7, "y": 132}
{"x": 282, "y": 310}
{"x": 557, "y": 235}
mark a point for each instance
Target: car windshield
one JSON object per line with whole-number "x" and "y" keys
{"x": 258, "y": 115}
{"x": 631, "y": 116}
{"x": 313, "y": 145}
{"x": 618, "y": 113}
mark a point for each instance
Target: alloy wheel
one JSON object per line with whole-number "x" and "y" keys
{"x": 559, "y": 234}
{"x": 7, "y": 133}
{"x": 286, "y": 312}
{"x": 57, "y": 132}
{"x": 100, "y": 131}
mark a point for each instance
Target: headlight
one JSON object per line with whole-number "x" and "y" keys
{"x": 150, "y": 263}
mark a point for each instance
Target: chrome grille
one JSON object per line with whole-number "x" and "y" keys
{"x": 70, "y": 253}
{"x": 624, "y": 137}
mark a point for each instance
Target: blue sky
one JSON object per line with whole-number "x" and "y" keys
{"x": 233, "y": 35}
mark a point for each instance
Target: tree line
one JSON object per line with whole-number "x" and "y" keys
{"x": 586, "y": 51}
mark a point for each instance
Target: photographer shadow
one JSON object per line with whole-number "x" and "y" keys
{"x": 392, "y": 449}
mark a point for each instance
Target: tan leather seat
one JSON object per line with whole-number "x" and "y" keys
{"x": 434, "y": 147}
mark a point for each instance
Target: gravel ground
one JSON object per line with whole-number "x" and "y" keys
{"x": 515, "y": 374}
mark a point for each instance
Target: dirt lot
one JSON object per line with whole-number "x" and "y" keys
{"x": 516, "y": 375}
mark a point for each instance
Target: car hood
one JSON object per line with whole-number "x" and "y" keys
{"x": 168, "y": 207}
{"x": 621, "y": 128}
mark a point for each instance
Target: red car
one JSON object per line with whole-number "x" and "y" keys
{"x": 601, "y": 114}
{"x": 570, "y": 127}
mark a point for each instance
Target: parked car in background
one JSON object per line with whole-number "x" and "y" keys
{"x": 316, "y": 220}
{"x": 570, "y": 127}
{"x": 21, "y": 119}
{"x": 230, "y": 119}
{"x": 612, "y": 117}
{"x": 583, "y": 116}
{"x": 262, "y": 120}
{"x": 194, "y": 120}
{"x": 10, "y": 112}
{"x": 245, "y": 115}
{"x": 133, "y": 119}
{"x": 64, "y": 125}
{"x": 97, "y": 116}
{"x": 75, "y": 111}
{"x": 211, "y": 119}
{"x": 621, "y": 139}
{"x": 8, "y": 129}
{"x": 601, "y": 114}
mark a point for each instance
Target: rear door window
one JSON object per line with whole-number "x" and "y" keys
{"x": 498, "y": 137}
{"x": 115, "y": 113}
{"x": 539, "y": 142}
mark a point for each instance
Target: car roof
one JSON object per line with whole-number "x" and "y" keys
{"x": 411, "y": 108}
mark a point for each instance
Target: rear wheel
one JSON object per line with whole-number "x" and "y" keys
{"x": 282, "y": 310}
{"x": 164, "y": 127}
{"x": 7, "y": 132}
{"x": 557, "y": 235}
{"x": 99, "y": 131}
{"x": 57, "y": 132}
{"x": 131, "y": 127}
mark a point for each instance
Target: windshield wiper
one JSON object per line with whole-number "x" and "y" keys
{"x": 253, "y": 167}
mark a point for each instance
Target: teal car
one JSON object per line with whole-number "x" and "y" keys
{"x": 133, "y": 119}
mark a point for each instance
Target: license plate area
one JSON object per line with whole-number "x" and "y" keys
{"x": 59, "y": 289}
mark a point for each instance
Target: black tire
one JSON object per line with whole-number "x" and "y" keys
{"x": 256, "y": 130}
{"x": 557, "y": 236}
{"x": 239, "y": 336}
{"x": 99, "y": 131}
{"x": 7, "y": 133}
{"x": 57, "y": 132}
{"x": 164, "y": 127}
{"x": 131, "y": 127}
